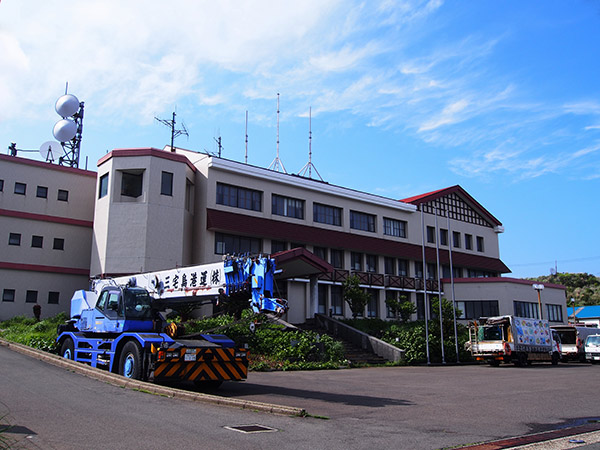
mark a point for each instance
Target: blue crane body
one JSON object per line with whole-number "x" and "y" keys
{"x": 118, "y": 325}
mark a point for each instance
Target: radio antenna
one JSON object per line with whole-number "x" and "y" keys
{"x": 246, "y": 159}
{"x": 277, "y": 165}
{"x": 174, "y": 133}
{"x": 309, "y": 165}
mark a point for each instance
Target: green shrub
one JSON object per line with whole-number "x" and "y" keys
{"x": 28, "y": 331}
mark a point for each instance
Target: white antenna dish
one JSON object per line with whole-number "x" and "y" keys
{"x": 49, "y": 149}
{"x": 65, "y": 130}
{"x": 67, "y": 105}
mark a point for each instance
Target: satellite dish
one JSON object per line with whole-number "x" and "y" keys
{"x": 49, "y": 149}
{"x": 65, "y": 130}
{"x": 67, "y": 105}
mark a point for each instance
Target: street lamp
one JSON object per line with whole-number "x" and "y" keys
{"x": 539, "y": 288}
{"x": 573, "y": 303}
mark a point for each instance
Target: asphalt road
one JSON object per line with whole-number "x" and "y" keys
{"x": 402, "y": 407}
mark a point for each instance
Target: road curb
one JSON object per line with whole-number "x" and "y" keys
{"x": 118, "y": 380}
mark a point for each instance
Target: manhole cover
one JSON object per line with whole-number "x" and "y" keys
{"x": 252, "y": 429}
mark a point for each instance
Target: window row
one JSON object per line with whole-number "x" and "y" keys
{"x": 554, "y": 313}
{"x": 41, "y": 191}
{"x": 10, "y": 295}
{"x": 245, "y": 198}
{"x": 359, "y": 262}
{"x": 36, "y": 241}
{"x": 132, "y": 182}
{"x": 456, "y": 239}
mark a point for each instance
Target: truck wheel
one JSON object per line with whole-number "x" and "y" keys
{"x": 67, "y": 349}
{"x": 555, "y": 359}
{"x": 521, "y": 360}
{"x": 130, "y": 363}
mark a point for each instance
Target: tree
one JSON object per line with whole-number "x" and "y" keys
{"x": 583, "y": 287}
{"x": 354, "y": 295}
{"x": 402, "y": 307}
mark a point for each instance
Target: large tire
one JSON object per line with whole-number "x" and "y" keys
{"x": 130, "y": 361}
{"x": 521, "y": 360}
{"x": 67, "y": 349}
{"x": 555, "y": 359}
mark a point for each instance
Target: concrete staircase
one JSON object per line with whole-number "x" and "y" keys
{"x": 355, "y": 355}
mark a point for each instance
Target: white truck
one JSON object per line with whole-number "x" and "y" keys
{"x": 572, "y": 338}
{"x": 519, "y": 340}
{"x": 592, "y": 348}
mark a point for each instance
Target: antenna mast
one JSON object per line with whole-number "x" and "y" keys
{"x": 174, "y": 133}
{"x": 246, "y": 159}
{"x": 277, "y": 165}
{"x": 309, "y": 165}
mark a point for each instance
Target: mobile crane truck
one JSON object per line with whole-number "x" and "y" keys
{"x": 513, "y": 339}
{"x": 120, "y": 324}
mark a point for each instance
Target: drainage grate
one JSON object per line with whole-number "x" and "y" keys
{"x": 252, "y": 429}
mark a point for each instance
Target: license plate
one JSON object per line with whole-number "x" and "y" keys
{"x": 189, "y": 357}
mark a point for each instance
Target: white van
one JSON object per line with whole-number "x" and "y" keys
{"x": 592, "y": 348}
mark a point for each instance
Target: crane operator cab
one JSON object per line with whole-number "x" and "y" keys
{"x": 119, "y": 309}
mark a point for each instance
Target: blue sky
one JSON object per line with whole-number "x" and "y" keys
{"x": 500, "y": 97}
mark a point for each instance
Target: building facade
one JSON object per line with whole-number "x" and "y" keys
{"x": 46, "y": 223}
{"x": 158, "y": 209}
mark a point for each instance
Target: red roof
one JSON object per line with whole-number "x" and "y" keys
{"x": 429, "y": 196}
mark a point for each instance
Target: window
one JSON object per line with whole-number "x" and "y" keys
{"x": 322, "y": 288}
{"x": 8, "y": 295}
{"x": 239, "y": 197}
{"x": 371, "y": 263}
{"x": 31, "y": 297}
{"x": 431, "y": 271}
{"x": 131, "y": 184}
{"x": 37, "y": 241}
{"x": 189, "y": 195}
{"x": 526, "y": 309}
{"x": 389, "y": 265}
{"x": 63, "y": 195}
{"x": 356, "y": 261}
{"x": 227, "y": 243}
{"x": 392, "y": 227}
{"x": 278, "y": 246}
{"x": 480, "y": 247}
{"x": 320, "y": 252}
{"x": 468, "y": 242}
{"x": 337, "y": 258}
{"x": 362, "y": 221}
{"x": 337, "y": 300}
{"x": 390, "y": 295}
{"x": 418, "y": 269}
{"x": 288, "y": 207}
{"x": 166, "y": 184}
{"x": 103, "y": 186}
{"x": 20, "y": 188}
{"x": 554, "y": 313}
{"x": 443, "y": 237}
{"x": 457, "y": 272}
{"x": 58, "y": 244}
{"x": 403, "y": 267}
{"x": 42, "y": 192}
{"x": 477, "y": 309}
{"x": 14, "y": 239}
{"x": 53, "y": 298}
{"x": 372, "y": 304}
{"x": 431, "y": 235}
{"x": 456, "y": 239}
{"x": 329, "y": 215}
{"x": 1, "y": 185}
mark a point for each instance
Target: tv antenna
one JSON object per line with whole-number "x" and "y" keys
{"x": 309, "y": 166}
{"x": 277, "y": 165}
{"x": 174, "y": 133}
{"x": 68, "y": 130}
{"x": 219, "y": 145}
